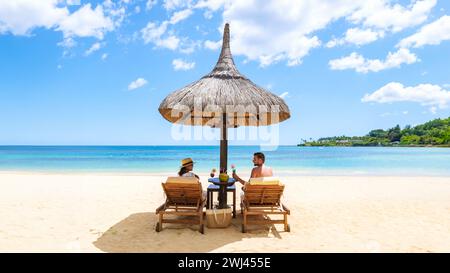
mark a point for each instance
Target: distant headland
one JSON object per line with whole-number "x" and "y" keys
{"x": 434, "y": 133}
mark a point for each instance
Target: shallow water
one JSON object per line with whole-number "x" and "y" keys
{"x": 285, "y": 159}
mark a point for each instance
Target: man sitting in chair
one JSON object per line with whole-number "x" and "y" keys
{"x": 260, "y": 170}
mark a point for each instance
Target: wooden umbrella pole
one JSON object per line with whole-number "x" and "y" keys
{"x": 223, "y": 161}
{"x": 224, "y": 144}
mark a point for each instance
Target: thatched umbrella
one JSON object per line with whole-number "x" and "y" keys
{"x": 224, "y": 98}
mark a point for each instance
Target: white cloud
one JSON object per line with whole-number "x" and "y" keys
{"x": 104, "y": 56}
{"x": 360, "y": 64}
{"x": 68, "y": 42}
{"x": 188, "y": 46}
{"x": 175, "y": 4}
{"x": 213, "y": 45}
{"x": 180, "y": 16}
{"x": 86, "y": 22}
{"x": 381, "y": 14}
{"x": 284, "y": 95}
{"x": 431, "y": 34}
{"x": 153, "y": 33}
{"x": 137, "y": 83}
{"x": 96, "y": 46}
{"x": 208, "y": 14}
{"x": 108, "y": 4}
{"x": 334, "y": 43}
{"x": 362, "y": 36}
{"x": 73, "y": 2}
{"x": 20, "y": 17}
{"x": 116, "y": 11}
{"x": 150, "y": 3}
{"x": 356, "y": 36}
{"x": 279, "y": 30}
{"x": 285, "y": 30}
{"x": 179, "y": 64}
{"x": 170, "y": 42}
{"x": 429, "y": 95}
{"x": 161, "y": 37}
{"x": 212, "y": 5}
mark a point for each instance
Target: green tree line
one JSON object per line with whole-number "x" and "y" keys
{"x": 432, "y": 133}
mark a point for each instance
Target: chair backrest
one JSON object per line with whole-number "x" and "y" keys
{"x": 272, "y": 180}
{"x": 182, "y": 179}
{"x": 188, "y": 192}
{"x": 269, "y": 195}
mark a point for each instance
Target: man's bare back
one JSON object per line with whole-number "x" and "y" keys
{"x": 261, "y": 171}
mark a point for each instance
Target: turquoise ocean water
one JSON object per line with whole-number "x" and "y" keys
{"x": 286, "y": 160}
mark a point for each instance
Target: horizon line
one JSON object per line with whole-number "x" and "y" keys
{"x": 136, "y": 145}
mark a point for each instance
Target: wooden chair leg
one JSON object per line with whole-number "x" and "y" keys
{"x": 286, "y": 225}
{"x": 234, "y": 204}
{"x": 201, "y": 227}
{"x": 159, "y": 224}
{"x": 244, "y": 222}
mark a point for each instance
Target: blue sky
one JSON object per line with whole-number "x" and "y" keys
{"x": 67, "y": 67}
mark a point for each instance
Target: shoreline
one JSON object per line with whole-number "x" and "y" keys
{"x": 376, "y": 146}
{"x": 207, "y": 175}
{"x": 216, "y": 146}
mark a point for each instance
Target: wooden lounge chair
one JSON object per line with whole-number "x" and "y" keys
{"x": 184, "y": 197}
{"x": 263, "y": 199}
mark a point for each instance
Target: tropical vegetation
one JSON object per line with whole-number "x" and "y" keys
{"x": 432, "y": 133}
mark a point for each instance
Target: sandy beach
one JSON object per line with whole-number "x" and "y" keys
{"x": 115, "y": 213}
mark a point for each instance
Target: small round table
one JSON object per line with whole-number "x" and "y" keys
{"x": 218, "y": 186}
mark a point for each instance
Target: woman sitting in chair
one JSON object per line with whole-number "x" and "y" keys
{"x": 187, "y": 165}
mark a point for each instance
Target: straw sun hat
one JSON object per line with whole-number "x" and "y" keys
{"x": 186, "y": 162}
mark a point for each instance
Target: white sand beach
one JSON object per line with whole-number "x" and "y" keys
{"x": 115, "y": 213}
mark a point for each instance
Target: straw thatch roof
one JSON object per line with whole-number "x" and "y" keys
{"x": 224, "y": 90}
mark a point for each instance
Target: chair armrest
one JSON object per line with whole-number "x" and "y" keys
{"x": 202, "y": 205}
{"x": 160, "y": 208}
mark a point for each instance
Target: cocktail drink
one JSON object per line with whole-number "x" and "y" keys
{"x": 213, "y": 172}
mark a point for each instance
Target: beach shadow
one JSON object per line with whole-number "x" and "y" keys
{"x": 136, "y": 233}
